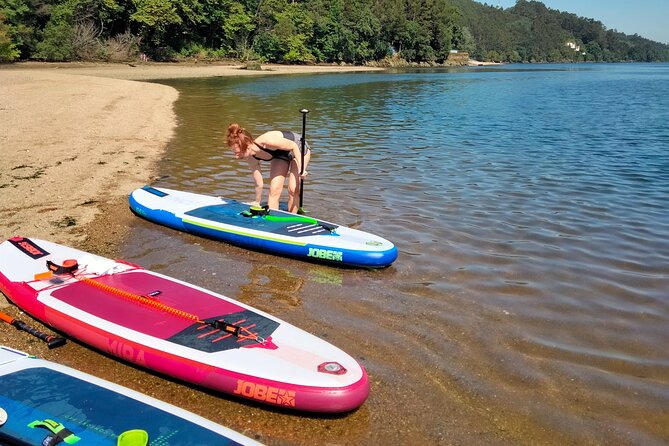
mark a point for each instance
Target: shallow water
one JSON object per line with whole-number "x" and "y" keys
{"x": 530, "y": 208}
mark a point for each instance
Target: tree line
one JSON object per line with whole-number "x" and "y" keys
{"x": 309, "y": 31}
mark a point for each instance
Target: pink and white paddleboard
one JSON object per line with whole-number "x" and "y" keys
{"x": 178, "y": 329}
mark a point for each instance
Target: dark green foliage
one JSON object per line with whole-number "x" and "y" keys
{"x": 8, "y": 50}
{"x": 531, "y": 32}
{"x": 309, "y": 31}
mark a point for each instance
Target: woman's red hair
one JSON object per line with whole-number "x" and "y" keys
{"x": 238, "y": 135}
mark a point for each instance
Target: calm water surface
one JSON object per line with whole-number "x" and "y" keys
{"x": 530, "y": 208}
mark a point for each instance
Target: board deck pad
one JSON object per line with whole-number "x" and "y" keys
{"x": 209, "y": 339}
{"x": 231, "y": 213}
{"x": 276, "y": 232}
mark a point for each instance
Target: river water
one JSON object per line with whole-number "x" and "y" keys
{"x": 530, "y": 206}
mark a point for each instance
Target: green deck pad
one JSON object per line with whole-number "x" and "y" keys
{"x": 299, "y": 219}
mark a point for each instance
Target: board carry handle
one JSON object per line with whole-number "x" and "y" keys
{"x": 51, "y": 341}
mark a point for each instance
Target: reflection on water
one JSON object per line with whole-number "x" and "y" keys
{"x": 269, "y": 287}
{"x": 529, "y": 205}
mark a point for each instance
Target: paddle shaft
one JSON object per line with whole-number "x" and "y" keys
{"x": 304, "y": 112}
{"x": 51, "y": 341}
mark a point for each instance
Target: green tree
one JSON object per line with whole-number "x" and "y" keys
{"x": 237, "y": 27}
{"x": 284, "y": 30}
{"x": 24, "y": 20}
{"x": 58, "y": 35}
{"x": 8, "y": 50}
{"x": 346, "y": 31}
{"x": 155, "y": 17}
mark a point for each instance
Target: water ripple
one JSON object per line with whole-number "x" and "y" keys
{"x": 529, "y": 206}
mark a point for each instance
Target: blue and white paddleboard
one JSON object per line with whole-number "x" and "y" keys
{"x": 44, "y": 403}
{"x": 278, "y": 232}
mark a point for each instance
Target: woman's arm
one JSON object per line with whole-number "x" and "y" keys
{"x": 256, "y": 173}
{"x": 275, "y": 140}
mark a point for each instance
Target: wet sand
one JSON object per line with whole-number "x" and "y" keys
{"x": 76, "y": 140}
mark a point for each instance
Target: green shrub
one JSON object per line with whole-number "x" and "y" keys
{"x": 8, "y": 50}
{"x": 56, "y": 42}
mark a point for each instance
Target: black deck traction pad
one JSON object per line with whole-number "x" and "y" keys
{"x": 28, "y": 247}
{"x": 206, "y": 338}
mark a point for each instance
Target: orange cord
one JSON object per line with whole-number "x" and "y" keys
{"x": 166, "y": 308}
{"x": 141, "y": 299}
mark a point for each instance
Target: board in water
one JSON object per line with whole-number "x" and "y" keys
{"x": 277, "y": 232}
{"x": 41, "y": 401}
{"x": 178, "y": 329}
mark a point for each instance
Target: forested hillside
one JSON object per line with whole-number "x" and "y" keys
{"x": 308, "y": 31}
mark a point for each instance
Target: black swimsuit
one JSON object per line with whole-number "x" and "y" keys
{"x": 284, "y": 155}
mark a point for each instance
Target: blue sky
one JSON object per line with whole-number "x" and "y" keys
{"x": 647, "y": 18}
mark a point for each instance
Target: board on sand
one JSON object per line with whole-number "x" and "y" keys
{"x": 179, "y": 329}
{"x": 279, "y": 232}
{"x": 41, "y": 401}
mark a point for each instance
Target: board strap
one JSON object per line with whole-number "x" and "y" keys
{"x": 58, "y": 432}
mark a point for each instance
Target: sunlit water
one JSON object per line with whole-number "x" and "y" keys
{"x": 530, "y": 207}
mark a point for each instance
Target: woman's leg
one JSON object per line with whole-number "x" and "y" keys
{"x": 294, "y": 184}
{"x": 277, "y": 178}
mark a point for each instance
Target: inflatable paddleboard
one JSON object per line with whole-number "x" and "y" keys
{"x": 178, "y": 329}
{"x": 277, "y": 232}
{"x": 44, "y": 403}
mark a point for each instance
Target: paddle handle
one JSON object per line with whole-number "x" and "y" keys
{"x": 51, "y": 341}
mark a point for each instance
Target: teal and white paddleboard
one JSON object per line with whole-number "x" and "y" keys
{"x": 44, "y": 403}
{"x": 277, "y": 232}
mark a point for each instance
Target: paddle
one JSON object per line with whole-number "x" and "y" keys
{"x": 304, "y": 111}
{"x": 51, "y": 341}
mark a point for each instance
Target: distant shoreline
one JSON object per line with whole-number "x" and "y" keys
{"x": 174, "y": 70}
{"x": 142, "y": 71}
